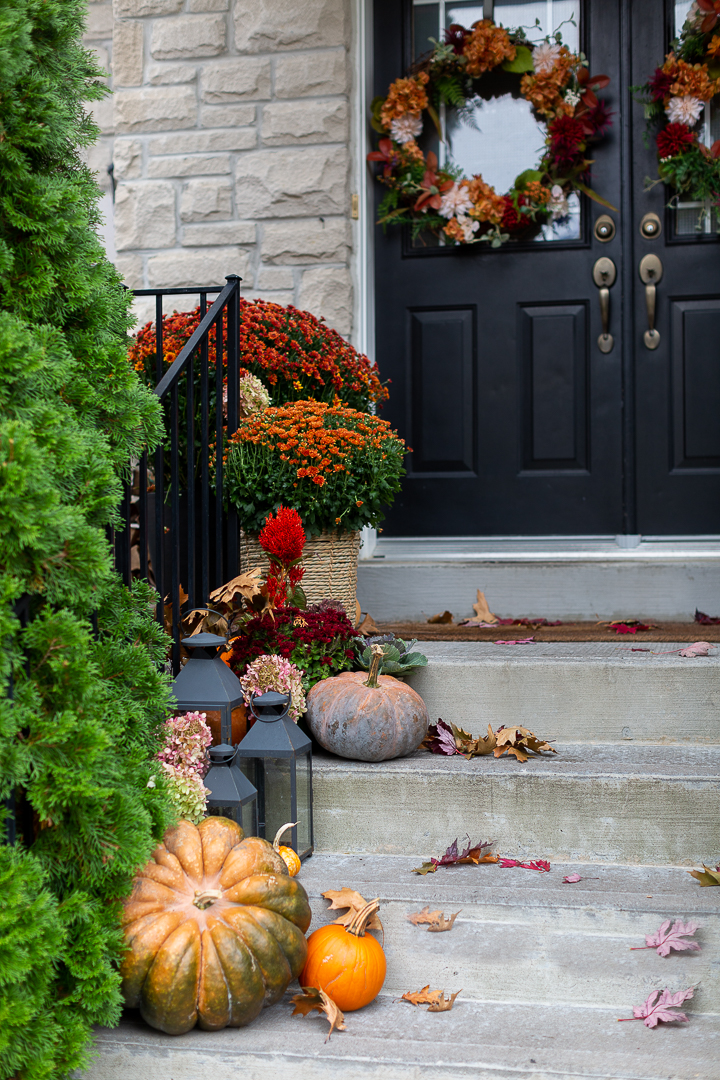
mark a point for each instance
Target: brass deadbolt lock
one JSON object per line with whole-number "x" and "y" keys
{"x": 650, "y": 226}
{"x": 604, "y": 228}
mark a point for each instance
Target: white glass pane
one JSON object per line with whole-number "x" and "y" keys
{"x": 681, "y": 9}
{"x": 500, "y": 138}
{"x": 426, "y": 25}
{"x": 465, "y": 13}
{"x": 550, "y": 13}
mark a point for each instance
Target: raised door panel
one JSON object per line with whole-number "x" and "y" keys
{"x": 696, "y": 384}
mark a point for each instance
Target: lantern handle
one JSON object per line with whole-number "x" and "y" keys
{"x": 207, "y": 610}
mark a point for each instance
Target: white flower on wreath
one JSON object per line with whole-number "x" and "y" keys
{"x": 684, "y": 110}
{"x": 545, "y": 57}
{"x": 406, "y": 128}
{"x": 468, "y": 226}
{"x": 571, "y": 97}
{"x": 558, "y": 204}
{"x": 455, "y": 201}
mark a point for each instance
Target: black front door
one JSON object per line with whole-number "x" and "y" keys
{"x": 519, "y": 423}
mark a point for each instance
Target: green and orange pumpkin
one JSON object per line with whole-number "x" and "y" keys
{"x": 215, "y": 928}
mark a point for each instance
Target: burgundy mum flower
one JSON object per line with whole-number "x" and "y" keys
{"x": 456, "y": 35}
{"x": 511, "y": 218}
{"x": 660, "y": 84}
{"x": 567, "y": 136}
{"x": 600, "y": 118}
{"x": 674, "y": 139}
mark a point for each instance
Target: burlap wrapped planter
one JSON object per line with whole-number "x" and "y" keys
{"x": 331, "y": 562}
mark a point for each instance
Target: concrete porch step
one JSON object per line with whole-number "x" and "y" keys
{"x": 526, "y": 937}
{"x": 596, "y": 691}
{"x": 392, "y": 1040}
{"x": 623, "y": 803}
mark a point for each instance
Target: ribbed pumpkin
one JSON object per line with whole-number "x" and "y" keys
{"x": 215, "y": 929}
{"x": 367, "y": 718}
{"x": 345, "y": 962}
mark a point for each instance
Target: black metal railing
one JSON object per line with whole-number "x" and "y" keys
{"x": 177, "y": 533}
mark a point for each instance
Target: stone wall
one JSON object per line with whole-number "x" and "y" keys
{"x": 98, "y": 37}
{"x": 231, "y": 153}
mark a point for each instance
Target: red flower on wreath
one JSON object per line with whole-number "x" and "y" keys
{"x": 660, "y": 84}
{"x": 512, "y": 219}
{"x": 456, "y": 35}
{"x": 674, "y": 139}
{"x": 432, "y": 188}
{"x": 567, "y": 140}
{"x": 386, "y": 154}
{"x": 712, "y": 7}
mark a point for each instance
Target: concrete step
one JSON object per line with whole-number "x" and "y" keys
{"x": 622, "y": 803}
{"x": 595, "y": 691}
{"x": 392, "y": 1040}
{"x": 410, "y": 578}
{"x": 526, "y": 937}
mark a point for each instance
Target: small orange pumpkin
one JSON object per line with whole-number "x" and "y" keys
{"x": 289, "y": 856}
{"x": 345, "y": 962}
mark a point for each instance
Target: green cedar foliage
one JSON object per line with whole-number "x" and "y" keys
{"x": 80, "y": 733}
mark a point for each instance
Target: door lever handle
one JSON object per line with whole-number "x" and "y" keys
{"x": 604, "y": 274}
{"x": 651, "y": 272}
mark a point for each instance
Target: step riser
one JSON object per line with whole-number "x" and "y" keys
{"x": 574, "y": 957}
{"x": 576, "y": 701}
{"x": 395, "y": 591}
{"x": 624, "y": 819}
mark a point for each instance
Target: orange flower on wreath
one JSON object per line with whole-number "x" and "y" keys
{"x": 714, "y": 47}
{"x": 537, "y": 193}
{"x": 405, "y": 96}
{"x": 690, "y": 80}
{"x": 487, "y": 204}
{"x": 486, "y": 47}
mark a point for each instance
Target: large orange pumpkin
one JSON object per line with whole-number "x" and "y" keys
{"x": 367, "y": 717}
{"x": 215, "y": 929}
{"x": 345, "y": 962}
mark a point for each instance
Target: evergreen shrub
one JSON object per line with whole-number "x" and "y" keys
{"x": 79, "y": 735}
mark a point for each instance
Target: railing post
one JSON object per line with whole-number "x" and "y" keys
{"x": 233, "y": 419}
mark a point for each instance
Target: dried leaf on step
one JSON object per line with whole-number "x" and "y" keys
{"x": 247, "y": 584}
{"x": 518, "y": 741}
{"x": 367, "y": 626}
{"x": 655, "y": 1008}
{"x": 354, "y": 902}
{"x": 629, "y": 626}
{"x": 706, "y": 620}
{"x": 671, "y": 937}
{"x": 445, "y": 1004}
{"x": 570, "y": 879}
{"x": 483, "y": 615}
{"x": 699, "y": 648}
{"x": 312, "y": 998}
{"x": 443, "y": 617}
{"x": 435, "y": 920}
{"x": 541, "y": 865}
{"x": 472, "y": 853}
{"x": 517, "y": 641}
{"x": 448, "y": 739}
{"x": 443, "y": 923}
{"x": 706, "y": 876}
{"x": 426, "y": 996}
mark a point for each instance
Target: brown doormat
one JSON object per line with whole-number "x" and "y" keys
{"x": 570, "y": 631}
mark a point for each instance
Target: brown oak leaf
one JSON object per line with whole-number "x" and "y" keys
{"x": 443, "y": 617}
{"x": 354, "y": 902}
{"x": 436, "y": 921}
{"x": 448, "y": 739}
{"x": 445, "y": 1004}
{"x": 312, "y": 998}
{"x": 426, "y": 996}
{"x": 473, "y": 853}
{"x": 247, "y": 584}
{"x": 518, "y": 741}
{"x": 706, "y": 876}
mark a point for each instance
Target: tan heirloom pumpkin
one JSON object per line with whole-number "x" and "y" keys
{"x": 367, "y": 717}
{"x": 215, "y": 929}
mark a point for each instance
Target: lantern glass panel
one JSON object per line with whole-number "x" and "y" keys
{"x": 278, "y": 806}
{"x": 303, "y": 817}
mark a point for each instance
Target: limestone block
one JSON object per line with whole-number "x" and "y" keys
{"x": 306, "y": 241}
{"x": 99, "y": 21}
{"x": 130, "y": 269}
{"x": 227, "y": 115}
{"x": 292, "y": 183}
{"x": 311, "y": 74}
{"x": 128, "y": 53}
{"x": 208, "y": 5}
{"x": 189, "y": 165}
{"x": 127, "y": 9}
{"x": 188, "y": 35}
{"x": 97, "y": 157}
{"x": 102, "y": 56}
{"x": 127, "y": 158}
{"x": 235, "y": 80}
{"x": 327, "y": 292}
{"x": 221, "y": 232}
{"x": 171, "y": 74}
{"x": 144, "y": 215}
{"x": 267, "y": 25}
{"x": 275, "y": 277}
{"x": 199, "y": 142}
{"x": 102, "y": 113}
{"x": 283, "y": 297}
{"x": 206, "y": 200}
{"x": 285, "y": 123}
{"x": 187, "y": 268}
{"x": 154, "y": 108}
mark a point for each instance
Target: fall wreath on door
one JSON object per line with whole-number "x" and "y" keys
{"x": 439, "y": 198}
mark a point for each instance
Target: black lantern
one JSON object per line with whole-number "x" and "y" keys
{"x": 276, "y": 755}
{"x": 206, "y": 684}
{"x": 231, "y": 793}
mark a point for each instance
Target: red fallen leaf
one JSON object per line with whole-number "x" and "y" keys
{"x": 541, "y": 865}
{"x": 473, "y": 853}
{"x": 706, "y": 620}
{"x": 534, "y": 623}
{"x": 652, "y": 1011}
{"x": 440, "y": 739}
{"x": 667, "y": 938}
{"x": 570, "y": 879}
{"x": 517, "y": 641}
{"x": 630, "y": 627}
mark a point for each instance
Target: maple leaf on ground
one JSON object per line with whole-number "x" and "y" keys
{"x": 570, "y": 879}
{"x": 434, "y": 999}
{"x": 629, "y": 626}
{"x": 435, "y": 920}
{"x": 517, "y": 641}
{"x": 519, "y": 740}
{"x": 698, "y": 648}
{"x": 706, "y": 876}
{"x": 473, "y": 853}
{"x": 312, "y": 998}
{"x": 706, "y": 620}
{"x": 354, "y": 902}
{"x": 483, "y": 615}
{"x": 445, "y": 1004}
{"x": 666, "y": 938}
{"x": 541, "y": 865}
{"x": 448, "y": 739}
{"x": 652, "y": 1011}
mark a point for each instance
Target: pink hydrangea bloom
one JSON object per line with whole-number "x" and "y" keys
{"x": 271, "y": 672}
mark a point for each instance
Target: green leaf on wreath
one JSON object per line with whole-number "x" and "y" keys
{"x": 435, "y": 119}
{"x": 375, "y": 108}
{"x": 594, "y": 195}
{"x": 527, "y": 177}
{"x": 714, "y": 69}
{"x": 522, "y": 62}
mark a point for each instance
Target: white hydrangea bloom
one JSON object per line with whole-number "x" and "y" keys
{"x": 684, "y": 110}
{"x": 455, "y": 201}
{"x": 558, "y": 204}
{"x": 468, "y": 226}
{"x": 545, "y": 57}
{"x": 406, "y": 128}
{"x": 572, "y": 97}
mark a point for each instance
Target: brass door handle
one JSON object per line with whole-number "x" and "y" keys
{"x": 604, "y": 274}
{"x": 651, "y": 272}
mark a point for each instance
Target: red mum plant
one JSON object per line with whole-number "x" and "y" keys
{"x": 674, "y": 139}
{"x": 567, "y": 140}
{"x": 283, "y": 539}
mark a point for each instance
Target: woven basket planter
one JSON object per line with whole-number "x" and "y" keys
{"x": 330, "y": 560}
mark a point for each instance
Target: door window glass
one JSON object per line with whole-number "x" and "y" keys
{"x": 692, "y": 218}
{"x": 498, "y": 136}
